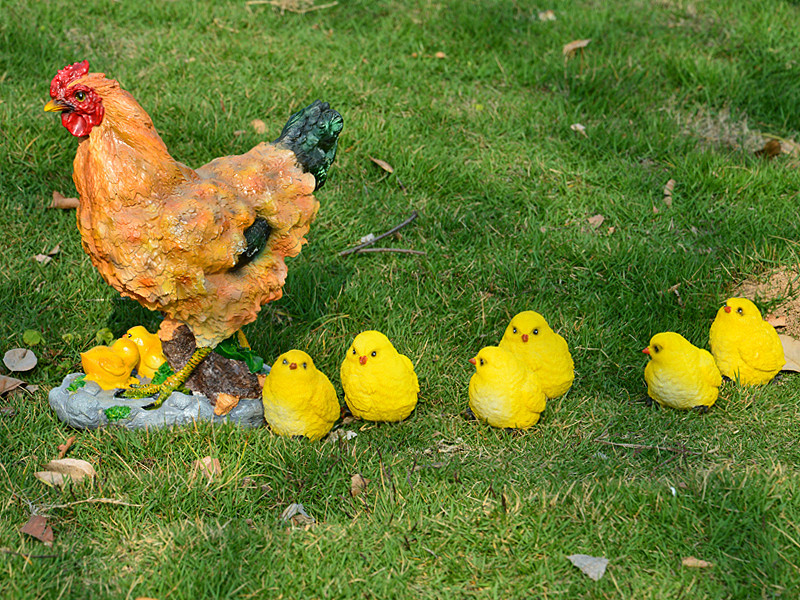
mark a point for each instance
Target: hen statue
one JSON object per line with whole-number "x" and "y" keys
{"x": 205, "y": 247}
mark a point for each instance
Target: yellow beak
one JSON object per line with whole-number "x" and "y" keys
{"x": 55, "y": 106}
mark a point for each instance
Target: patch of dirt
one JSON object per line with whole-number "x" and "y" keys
{"x": 782, "y": 287}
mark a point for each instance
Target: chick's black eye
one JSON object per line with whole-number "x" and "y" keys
{"x": 740, "y": 311}
{"x": 481, "y": 362}
{"x": 657, "y": 349}
{"x": 354, "y": 350}
{"x": 374, "y": 353}
{"x": 535, "y": 332}
{"x": 80, "y": 96}
{"x": 514, "y": 330}
{"x": 286, "y": 362}
{"x": 305, "y": 365}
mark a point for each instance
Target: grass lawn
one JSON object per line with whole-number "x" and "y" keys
{"x": 473, "y": 105}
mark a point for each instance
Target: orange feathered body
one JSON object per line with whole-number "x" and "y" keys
{"x": 169, "y": 236}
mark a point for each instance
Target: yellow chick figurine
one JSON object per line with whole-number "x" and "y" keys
{"x": 745, "y": 346}
{"x": 530, "y": 339}
{"x": 504, "y": 392}
{"x": 379, "y": 383}
{"x": 110, "y": 367}
{"x": 151, "y": 357}
{"x": 680, "y": 374}
{"x": 298, "y": 398}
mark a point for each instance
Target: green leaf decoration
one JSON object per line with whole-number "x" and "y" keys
{"x": 161, "y": 374}
{"x": 77, "y": 383}
{"x": 31, "y": 337}
{"x": 231, "y": 348}
{"x": 104, "y": 336}
{"x": 116, "y": 413}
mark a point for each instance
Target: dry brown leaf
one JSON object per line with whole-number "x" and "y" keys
{"x": 771, "y": 149}
{"x": 42, "y": 258}
{"x": 37, "y": 527}
{"x": 695, "y": 563}
{"x": 592, "y": 566}
{"x": 225, "y": 404}
{"x": 77, "y": 469}
{"x": 258, "y": 126}
{"x": 791, "y": 353}
{"x": 569, "y": 49}
{"x": 9, "y": 383}
{"x": 383, "y": 164}
{"x": 64, "y": 448}
{"x": 358, "y": 484}
{"x": 596, "y": 221}
{"x": 208, "y": 466}
{"x": 669, "y": 187}
{"x": 578, "y": 128}
{"x": 59, "y": 201}
{"x": 440, "y": 55}
{"x": 297, "y": 514}
{"x": 20, "y": 359}
{"x": 50, "y": 478}
{"x": 776, "y": 321}
{"x": 547, "y": 15}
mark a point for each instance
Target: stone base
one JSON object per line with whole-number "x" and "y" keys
{"x": 87, "y": 408}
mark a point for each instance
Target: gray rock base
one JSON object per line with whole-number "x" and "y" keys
{"x": 85, "y": 409}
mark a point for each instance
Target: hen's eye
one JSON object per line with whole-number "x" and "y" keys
{"x": 80, "y": 96}
{"x": 374, "y": 353}
{"x": 535, "y": 332}
{"x": 739, "y": 310}
{"x": 305, "y": 365}
{"x": 286, "y": 362}
{"x": 514, "y": 330}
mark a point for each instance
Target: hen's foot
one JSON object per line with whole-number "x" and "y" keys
{"x": 162, "y": 391}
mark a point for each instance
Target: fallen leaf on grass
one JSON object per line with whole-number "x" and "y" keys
{"x": 61, "y": 470}
{"x": 50, "y": 478}
{"x": 64, "y": 448}
{"x": 358, "y": 484}
{"x": 9, "y": 383}
{"x": 440, "y": 54}
{"x": 578, "y": 128}
{"x": 46, "y": 258}
{"x": 596, "y": 221}
{"x": 592, "y": 566}
{"x": 771, "y": 149}
{"x": 569, "y": 49}
{"x": 20, "y": 359}
{"x": 37, "y": 527}
{"x": 297, "y": 515}
{"x": 31, "y": 337}
{"x": 791, "y": 353}
{"x": 776, "y": 321}
{"x": 59, "y": 201}
{"x": 383, "y": 164}
{"x": 208, "y": 466}
{"x": 547, "y": 15}
{"x": 341, "y": 434}
{"x": 668, "y": 192}
{"x": 258, "y": 126}
{"x": 695, "y": 563}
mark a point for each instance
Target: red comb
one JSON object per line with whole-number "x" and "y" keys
{"x": 67, "y": 74}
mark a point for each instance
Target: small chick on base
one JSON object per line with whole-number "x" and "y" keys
{"x": 151, "y": 356}
{"x": 503, "y": 392}
{"x": 110, "y": 367}
{"x": 298, "y": 398}
{"x": 745, "y": 346}
{"x": 680, "y": 374}
{"x": 379, "y": 383}
{"x": 530, "y": 339}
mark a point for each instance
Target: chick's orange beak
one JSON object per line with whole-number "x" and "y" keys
{"x": 726, "y": 308}
{"x": 472, "y": 360}
{"x": 646, "y": 350}
{"x": 56, "y": 106}
{"x": 293, "y": 366}
{"x": 362, "y": 360}
{"x": 524, "y": 337}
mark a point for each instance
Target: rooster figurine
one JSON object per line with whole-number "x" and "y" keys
{"x": 206, "y": 247}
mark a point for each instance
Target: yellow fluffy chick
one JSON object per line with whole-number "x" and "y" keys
{"x": 503, "y": 392}
{"x": 151, "y": 356}
{"x": 110, "y": 367}
{"x": 680, "y": 374}
{"x": 379, "y": 383}
{"x": 745, "y": 346}
{"x": 530, "y": 339}
{"x": 298, "y": 398}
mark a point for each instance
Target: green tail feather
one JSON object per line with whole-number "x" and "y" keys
{"x": 312, "y": 134}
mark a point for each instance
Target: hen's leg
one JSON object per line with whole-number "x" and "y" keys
{"x": 162, "y": 391}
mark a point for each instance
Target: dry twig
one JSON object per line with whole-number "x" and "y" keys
{"x": 645, "y": 447}
{"x": 360, "y": 247}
